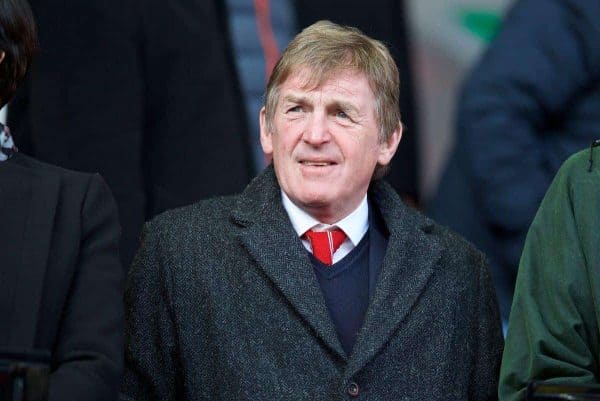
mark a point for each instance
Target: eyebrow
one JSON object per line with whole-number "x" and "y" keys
{"x": 294, "y": 99}
{"x": 345, "y": 106}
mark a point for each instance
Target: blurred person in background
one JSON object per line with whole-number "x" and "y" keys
{"x": 60, "y": 275}
{"x": 532, "y": 100}
{"x": 162, "y": 97}
{"x": 554, "y": 332}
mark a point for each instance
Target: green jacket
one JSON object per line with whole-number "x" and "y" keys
{"x": 553, "y": 328}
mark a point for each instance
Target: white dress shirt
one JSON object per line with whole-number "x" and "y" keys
{"x": 355, "y": 225}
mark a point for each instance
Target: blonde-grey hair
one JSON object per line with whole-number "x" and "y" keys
{"x": 325, "y": 48}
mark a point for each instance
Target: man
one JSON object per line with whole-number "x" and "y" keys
{"x": 226, "y": 302}
{"x": 553, "y": 333}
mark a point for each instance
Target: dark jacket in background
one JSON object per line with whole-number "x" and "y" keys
{"x": 142, "y": 92}
{"x": 146, "y": 93}
{"x": 222, "y": 304}
{"x": 60, "y": 276}
{"x": 533, "y": 100}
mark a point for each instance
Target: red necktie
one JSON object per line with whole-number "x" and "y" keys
{"x": 325, "y": 243}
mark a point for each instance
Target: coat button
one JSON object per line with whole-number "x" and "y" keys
{"x": 353, "y": 389}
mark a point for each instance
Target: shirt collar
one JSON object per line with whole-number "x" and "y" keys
{"x": 355, "y": 225}
{"x": 7, "y": 146}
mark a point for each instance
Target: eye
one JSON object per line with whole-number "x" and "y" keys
{"x": 342, "y": 114}
{"x": 294, "y": 109}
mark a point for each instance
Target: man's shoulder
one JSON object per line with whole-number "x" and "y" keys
{"x": 454, "y": 260}
{"x": 45, "y": 170}
{"x": 71, "y": 187}
{"x": 456, "y": 250}
{"x": 205, "y": 216}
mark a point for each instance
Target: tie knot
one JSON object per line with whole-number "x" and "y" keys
{"x": 325, "y": 243}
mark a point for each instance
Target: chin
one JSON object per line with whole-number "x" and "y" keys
{"x": 315, "y": 200}
{"x": 317, "y": 194}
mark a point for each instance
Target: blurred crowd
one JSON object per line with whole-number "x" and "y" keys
{"x": 531, "y": 101}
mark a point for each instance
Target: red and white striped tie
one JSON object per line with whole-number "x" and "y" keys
{"x": 325, "y": 243}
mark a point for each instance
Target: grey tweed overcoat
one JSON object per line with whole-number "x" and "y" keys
{"x": 222, "y": 304}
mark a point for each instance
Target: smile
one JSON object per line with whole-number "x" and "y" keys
{"x": 316, "y": 163}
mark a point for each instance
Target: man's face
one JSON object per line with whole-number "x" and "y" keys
{"x": 325, "y": 142}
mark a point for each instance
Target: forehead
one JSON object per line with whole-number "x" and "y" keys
{"x": 344, "y": 83}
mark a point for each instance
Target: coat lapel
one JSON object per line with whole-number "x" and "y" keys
{"x": 32, "y": 199}
{"x": 407, "y": 266}
{"x": 269, "y": 237}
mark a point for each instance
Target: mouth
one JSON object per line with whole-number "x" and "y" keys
{"x": 317, "y": 163}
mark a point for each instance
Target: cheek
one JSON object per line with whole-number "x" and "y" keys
{"x": 359, "y": 150}
{"x": 289, "y": 134}
{"x": 283, "y": 153}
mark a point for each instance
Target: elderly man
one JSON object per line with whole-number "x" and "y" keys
{"x": 315, "y": 283}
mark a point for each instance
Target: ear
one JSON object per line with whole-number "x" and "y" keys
{"x": 388, "y": 148}
{"x": 266, "y": 137}
{"x": 2, "y": 54}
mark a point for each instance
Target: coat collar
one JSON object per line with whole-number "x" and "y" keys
{"x": 409, "y": 261}
{"x": 28, "y": 201}
{"x": 269, "y": 237}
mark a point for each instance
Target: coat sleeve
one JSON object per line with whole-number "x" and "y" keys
{"x": 87, "y": 359}
{"x": 486, "y": 340}
{"x": 150, "y": 347}
{"x": 553, "y": 330}
{"x": 515, "y": 99}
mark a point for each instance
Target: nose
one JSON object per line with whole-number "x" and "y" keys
{"x": 317, "y": 130}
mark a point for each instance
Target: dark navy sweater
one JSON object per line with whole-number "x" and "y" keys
{"x": 348, "y": 284}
